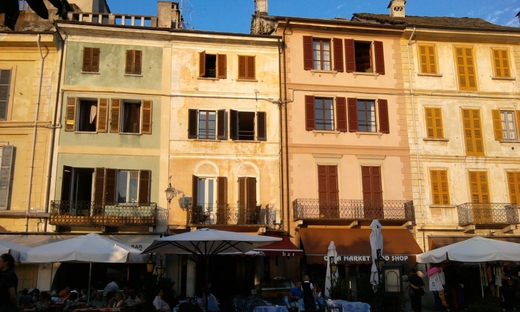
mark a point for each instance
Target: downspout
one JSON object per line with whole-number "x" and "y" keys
{"x": 280, "y": 119}
{"x": 415, "y": 135}
{"x": 284, "y": 103}
{"x": 35, "y": 132}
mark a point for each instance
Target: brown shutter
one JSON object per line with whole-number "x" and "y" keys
{"x": 95, "y": 60}
{"x": 194, "y": 190}
{"x": 102, "y": 117}
{"x": 111, "y": 186}
{"x": 350, "y": 56}
{"x": 6, "y": 175}
{"x": 222, "y": 200}
{"x": 147, "y": 117}
{"x": 497, "y": 124}
{"x": 261, "y": 131}
{"x": 380, "y": 57}
{"x": 114, "y": 115}
{"x": 242, "y": 200}
{"x": 192, "y": 123}
{"x": 372, "y": 192}
{"x": 129, "y": 62}
{"x": 222, "y": 66}
{"x": 250, "y": 67}
{"x": 352, "y": 115}
{"x": 202, "y": 64}
{"x": 341, "y": 114}
{"x": 221, "y": 124}
{"x": 87, "y": 60}
{"x": 310, "y": 122}
{"x": 328, "y": 191}
{"x": 66, "y": 183}
{"x": 70, "y": 115}
{"x": 338, "y": 54}
{"x": 138, "y": 63}
{"x": 513, "y": 181}
{"x": 308, "y": 58}
{"x": 99, "y": 190}
{"x": 233, "y": 124}
{"x": 241, "y": 67}
{"x": 145, "y": 178}
{"x": 384, "y": 124}
{"x": 251, "y": 193}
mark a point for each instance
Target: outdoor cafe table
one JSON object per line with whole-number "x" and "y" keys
{"x": 270, "y": 309}
{"x": 347, "y": 306}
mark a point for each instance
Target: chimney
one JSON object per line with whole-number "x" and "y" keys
{"x": 261, "y": 7}
{"x": 168, "y": 15}
{"x": 397, "y": 8}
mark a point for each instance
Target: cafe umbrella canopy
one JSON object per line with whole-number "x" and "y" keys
{"x": 12, "y": 248}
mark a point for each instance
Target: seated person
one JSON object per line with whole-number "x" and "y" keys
{"x": 296, "y": 296}
{"x": 98, "y": 301}
{"x": 117, "y": 301}
{"x": 209, "y": 302}
{"x": 25, "y": 299}
{"x": 43, "y": 303}
{"x": 71, "y": 303}
{"x": 64, "y": 293}
{"x": 132, "y": 299}
{"x": 159, "y": 303}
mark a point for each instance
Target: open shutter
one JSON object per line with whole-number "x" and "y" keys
{"x": 66, "y": 184}
{"x": 310, "y": 123}
{"x": 102, "y": 118}
{"x": 222, "y": 200}
{"x": 380, "y": 57}
{"x": 352, "y": 115}
{"x": 338, "y": 54}
{"x": 261, "y": 131}
{"x": 147, "y": 117}
{"x": 70, "y": 115}
{"x": 308, "y": 59}
{"x": 341, "y": 114}
{"x": 202, "y": 64}
{"x": 221, "y": 124}
{"x": 110, "y": 186}
{"x": 497, "y": 124}
{"x": 194, "y": 189}
{"x": 233, "y": 124}
{"x": 145, "y": 179}
{"x": 384, "y": 124}
{"x": 221, "y": 66}
{"x": 99, "y": 191}
{"x": 350, "y": 56}
{"x": 114, "y": 115}
{"x": 6, "y": 175}
{"x": 192, "y": 123}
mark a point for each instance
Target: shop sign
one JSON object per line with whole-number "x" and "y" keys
{"x": 365, "y": 258}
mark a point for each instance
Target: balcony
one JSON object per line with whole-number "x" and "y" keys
{"x": 235, "y": 215}
{"x": 489, "y": 215}
{"x": 349, "y": 210}
{"x": 86, "y": 213}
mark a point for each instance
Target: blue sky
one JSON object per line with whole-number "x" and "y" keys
{"x": 235, "y": 15}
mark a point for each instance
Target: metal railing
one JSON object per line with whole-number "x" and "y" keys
{"x": 353, "y": 209}
{"x": 487, "y": 214}
{"x": 67, "y": 213}
{"x": 213, "y": 214}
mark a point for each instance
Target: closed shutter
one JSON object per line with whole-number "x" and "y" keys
{"x": 246, "y": 67}
{"x": 501, "y": 63}
{"x": 6, "y": 175}
{"x": 5, "y": 83}
{"x": 310, "y": 122}
{"x": 466, "y": 69}
{"x": 233, "y": 124}
{"x": 129, "y": 68}
{"x": 110, "y": 186}
{"x": 380, "y": 57}
{"x": 222, "y": 201}
{"x": 102, "y": 118}
{"x": 221, "y": 66}
{"x": 427, "y": 59}
{"x": 95, "y": 60}
{"x": 472, "y": 132}
{"x": 192, "y": 123}
{"x": 70, "y": 114}
{"x": 328, "y": 191}
{"x": 133, "y": 62}
{"x": 384, "y": 124}
{"x": 341, "y": 114}
{"x": 138, "y": 63}
{"x": 372, "y": 192}
{"x": 202, "y": 64}
{"x": 114, "y": 115}
{"x": 251, "y": 67}
{"x": 147, "y": 117}
{"x": 517, "y": 122}
{"x": 513, "y": 181}
{"x": 261, "y": 126}
{"x": 479, "y": 187}
{"x": 221, "y": 125}
{"x": 308, "y": 58}
{"x": 440, "y": 189}
{"x": 242, "y": 67}
{"x": 352, "y": 115}
{"x": 350, "y": 56}
{"x": 338, "y": 54}
{"x": 253, "y": 212}
{"x": 91, "y": 60}
{"x": 145, "y": 179}
{"x": 497, "y": 124}
{"x": 434, "y": 127}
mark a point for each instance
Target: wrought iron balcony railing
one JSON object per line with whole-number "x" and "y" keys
{"x": 487, "y": 214}
{"x": 213, "y": 214}
{"x": 353, "y": 209}
{"x": 68, "y": 213}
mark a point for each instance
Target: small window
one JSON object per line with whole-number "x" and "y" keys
{"x": 505, "y": 124}
{"x": 86, "y": 115}
{"x": 247, "y": 126}
{"x": 434, "y": 129}
{"x": 466, "y": 68}
{"x": 131, "y": 116}
{"x": 206, "y": 124}
{"x": 91, "y": 60}
{"x": 322, "y": 114}
{"x": 427, "y": 59}
{"x": 212, "y": 65}
{"x": 246, "y": 67}
{"x": 5, "y": 83}
{"x": 365, "y": 116}
{"x": 133, "y": 62}
{"x": 364, "y": 56}
{"x": 127, "y": 186}
{"x": 366, "y": 111}
{"x": 321, "y": 54}
{"x": 501, "y": 63}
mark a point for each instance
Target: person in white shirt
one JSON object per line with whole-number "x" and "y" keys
{"x": 159, "y": 303}
{"x": 111, "y": 287}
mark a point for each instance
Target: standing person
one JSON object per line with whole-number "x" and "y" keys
{"x": 308, "y": 294}
{"x": 8, "y": 285}
{"x": 209, "y": 302}
{"x": 417, "y": 285}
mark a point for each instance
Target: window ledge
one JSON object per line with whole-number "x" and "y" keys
{"x": 206, "y": 140}
{"x": 134, "y": 75}
{"x": 247, "y": 80}
{"x": 436, "y": 139}
{"x": 443, "y": 206}
{"x": 130, "y": 133}
{"x": 375, "y": 75}
{"x": 247, "y": 141}
{"x": 208, "y": 78}
{"x": 503, "y": 78}
{"x": 91, "y": 73}
{"x": 85, "y": 132}
{"x": 323, "y": 132}
{"x": 316, "y": 71}
{"x": 379, "y": 134}
{"x": 509, "y": 141}
{"x": 429, "y": 75}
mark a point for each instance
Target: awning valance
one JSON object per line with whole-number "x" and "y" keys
{"x": 353, "y": 245}
{"x": 283, "y": 248}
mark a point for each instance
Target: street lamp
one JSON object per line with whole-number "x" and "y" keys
{"x": 160, "y": 269}
{"x": 149, "y": 266}
{"x": 171, "y": 192}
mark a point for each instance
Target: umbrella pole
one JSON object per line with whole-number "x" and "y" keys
{"x": 89, "y": 279}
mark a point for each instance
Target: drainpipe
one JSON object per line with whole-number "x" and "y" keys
{"x": 284, "y": 103}
{"x": 280, "y": 119}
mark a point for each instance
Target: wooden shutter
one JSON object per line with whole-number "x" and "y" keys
{"x": 95, "y": 60}
{"x": 66, "y": 183}
{"x": 466, "y": 69}
{"x": 440, "y": 189}
{"x": 310, "y": 122}
{"x": 233, "y": 124}
{"x": 6, "y": 175}
{"x": 427, "y": 59}
{"x": 138, "y": 63}
{"x": 434, "y": 127}
{"x": 328, "y": 191}
{"x": 308, "y": 57}
{"x": 102, "y": 118}
{"x": 133, "y": 62}
{"x": 472, "y": 132}
{"x": 251, "y": 193}
{"x": 251, "y": 68}
{"x": 192, "y": 123}
{"x": 517, "y": 122}
{"x": 479, "y": 187}
{"x": 501, "y": 63}
{"x": 497, "y": 124}
{"x": 110, "y": 186}
{"x": 222, "y": 200}
{"x": 242, "y": 67}
{"x": 350, "y": 56}
{"x": 99, "y": 190}
{"x": 242, "y": 200}
{"x": 372, "y": 192}
{"x": 195, "y": 190}
{"x": 87, "y": 60}
{"x": 221, "y": 66}
{"x": 114, "y": 115}
{"x": 202, "y": 64}
{"x": 146, "y": 106}
{"x": 384, "y": 124}
{"x": 380, "y": 57}
{"x": 338, "y": 54}
{"x": 70, "y": 114}
{"x": 246, "y": 67}
{"x": 145, "y": 179}
{"x": 261, "y": 129}
{"x": 5, "y": 82}
{"x": 513, "y": 181}
{"x": 341, "y": 114}
{"x": 221, "y": 124}
{"x": 352, "y": 115}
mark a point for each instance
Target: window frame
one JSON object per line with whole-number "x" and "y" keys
{"x": 134, "y": 62}
{"x": 381, "y": 116}
{"x": 259, "y": 125}
{"x": 433, "y": 122}
{"x": 501, "y": 72}
{"x": 221, "y": 128}
{"x": 73, "y": 113}
{"x": 428, "y": 60}
{"x": 220, "y": 65}
{"x": 468, "y": 76}
{"x": 247, "y": 67}
{"x": 117, "y": 107}
{"x": 440, "y": 188}
{"x": 91, "y": 60}
{"x": 376, "y": 57}
{"x": 339, "y": 113}
{"x": 335, "y": 52}
{"x": 5, "y": 91}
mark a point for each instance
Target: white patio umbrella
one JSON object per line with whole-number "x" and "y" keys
{"x": 12, "y": 248}
{"x": 376, "y": 246}
{"x": 330, "y": 278}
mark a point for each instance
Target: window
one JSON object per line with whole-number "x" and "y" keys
{"x": 372, "y": 192}
{"x": 478, "y": 187}
{"x": 318, "y": 55}
{"x": 246, "y": 67}
{"x": 427, "y": 59}
{"x": 212, "y": 65}
{"x": 365, "y": 116}
{"x": 86, "y": 115}
{"x": 133, "y": 62}
{"x": 247, "y": 126}
{"x": 206, "y": 124}
{"x": 7, "y": 156}
{"x": 328, "y": 191}
{"x": 472, "y": 132}
{"x": 434, "y": 129}
{"x": 131, "y": 116}
{"x": 127, "y": 185}
{"x": 513, "y": 181}
{"x": 364, "y": 56}
{"x": 501, "y": 63}
{"x": 5, "y": 84}
{"x": 440, "y": 190}
{"x": 466, "y": 69}
{"x": 505, "y": 124}
{"x": 209, "y": 200}
{"x": 91, "y": 60}
{"x": 319, "y": 113}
